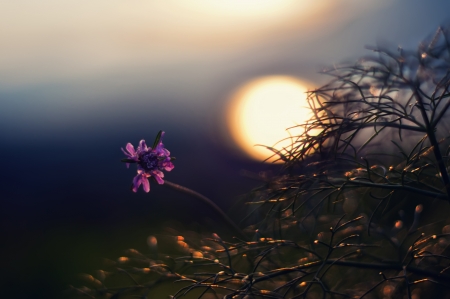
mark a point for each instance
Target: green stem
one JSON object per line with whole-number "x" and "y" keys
{"x": 232, "y": 226}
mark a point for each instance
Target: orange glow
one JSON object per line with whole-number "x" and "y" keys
{"x": 261, "y": 111}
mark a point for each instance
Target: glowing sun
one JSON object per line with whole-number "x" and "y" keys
{"x": 261, "y": 110}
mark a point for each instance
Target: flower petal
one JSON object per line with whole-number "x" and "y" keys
{"x": 158, "y": 175}
{"x": 161, "y": 151}
{"x": 130, "y": 149}
{"x": 137, "y": 182}
{"x": 160, "y": 147}
{"x": 168, "y": 166}
{"x": 130, "y": 153}
{"x": 142, "y": 146}
{"x": 145, "y": 184}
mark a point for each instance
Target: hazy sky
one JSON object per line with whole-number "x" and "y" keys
{"x": 72, "y": 57}
{"x": 52, "y": 41}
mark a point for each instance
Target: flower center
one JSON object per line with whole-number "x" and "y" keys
{"x": 149, "y": 161}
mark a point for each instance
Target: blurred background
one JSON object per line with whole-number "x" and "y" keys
{"x": 80, "y": 79}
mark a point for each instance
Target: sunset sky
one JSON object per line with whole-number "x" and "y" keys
{"x": 68, "y": 60}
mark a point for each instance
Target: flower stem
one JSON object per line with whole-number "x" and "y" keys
{"x": 230, "y": 223}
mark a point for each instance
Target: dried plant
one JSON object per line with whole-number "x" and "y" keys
{"x": 359, "y": 210}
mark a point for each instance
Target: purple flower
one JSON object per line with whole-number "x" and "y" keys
{"x": 150, "y": 162}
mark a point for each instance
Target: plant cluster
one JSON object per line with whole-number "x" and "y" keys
{"x": 359, "y": 210}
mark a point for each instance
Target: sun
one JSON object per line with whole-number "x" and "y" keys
{"x": 262, "y": 110}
